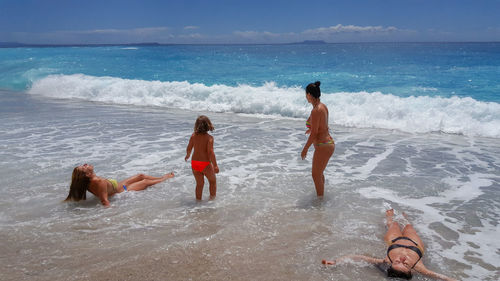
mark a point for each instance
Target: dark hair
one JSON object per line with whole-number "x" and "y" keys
{"x": 203, "y": 125}
{"x": 314, "y": 89}
{"x": 391, "y": 272}
{"x": 79, "y": 184}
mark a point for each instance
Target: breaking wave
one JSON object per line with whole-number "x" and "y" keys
{"x": 419, "y": 114}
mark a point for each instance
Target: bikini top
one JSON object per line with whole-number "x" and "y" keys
{"x": 308, "y": 124}
{"x": 413, "y": 248}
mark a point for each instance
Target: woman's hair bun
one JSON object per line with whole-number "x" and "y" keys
{"x": 313, "y": 89}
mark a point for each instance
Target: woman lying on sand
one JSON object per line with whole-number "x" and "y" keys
{"x": 84, "y": 179}
{"x": 404, "y": 252}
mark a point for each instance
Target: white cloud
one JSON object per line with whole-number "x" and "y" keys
{"x": 99, "y": 36}
{"x": 191, "y": 36}
{"x": 339, "y": 28}
{"x": 145, "y": 30}
{"x": 255, "y": 34}
{"x": 190, "y": 27}
{"x": 336, "y": 33}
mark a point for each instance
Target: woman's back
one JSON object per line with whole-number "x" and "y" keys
{"x": 323, "y": 133}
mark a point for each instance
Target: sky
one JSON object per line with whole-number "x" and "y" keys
{"x": 248, "y": 21}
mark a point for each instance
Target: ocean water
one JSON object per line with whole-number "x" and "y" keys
{"x": 417, "y": 128}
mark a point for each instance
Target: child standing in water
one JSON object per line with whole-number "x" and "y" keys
{"x": 203, "y": 162}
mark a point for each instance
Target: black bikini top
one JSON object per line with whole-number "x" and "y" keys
{"x": 413, "y": 248}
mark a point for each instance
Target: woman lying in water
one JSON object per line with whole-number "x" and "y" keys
{"x": 84, "y": 179}
{"x": 404, "y": 252}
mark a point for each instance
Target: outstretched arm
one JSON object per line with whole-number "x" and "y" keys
{"x": 189, "y": 148}
{"x": 354, "y": 258}
{"x": 420, "y": 267}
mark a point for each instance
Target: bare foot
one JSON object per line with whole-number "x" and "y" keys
{"x": 389, "y": 214}
{"x": 328, "y": 262}
{"x": 406, "y": 222}
{"x": 405, "y": 215}
{"x": 169, "y": 175}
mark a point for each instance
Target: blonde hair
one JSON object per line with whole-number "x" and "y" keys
{"x": 79, "y": 184}
{"x": 203, "y": 125}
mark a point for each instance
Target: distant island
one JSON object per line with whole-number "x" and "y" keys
{"x": 20, "y": 45}
{"x": 10, "y": 44}
{"x": 310, "y": 42}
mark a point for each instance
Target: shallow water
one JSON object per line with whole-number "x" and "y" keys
{"x": 266, "y": 223}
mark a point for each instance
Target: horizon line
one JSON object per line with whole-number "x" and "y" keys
{"x": 305, "y": 42}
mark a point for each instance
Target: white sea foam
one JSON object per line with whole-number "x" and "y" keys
{"x": 420, "y": 114}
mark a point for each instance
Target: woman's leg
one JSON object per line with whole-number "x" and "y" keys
{"x": 212, "y": 180}
{"x": 393, "y": 230}
{"x": 200, "y": 181}
{"x": 410, "y": 232}
{"x": 321, "y": 156}
{"x": 137, "y": 184}
{"x": 140, "y": 177}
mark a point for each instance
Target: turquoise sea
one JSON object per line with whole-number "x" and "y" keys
{"x": 416, "y": 126}
{"x": 413, "y": 87}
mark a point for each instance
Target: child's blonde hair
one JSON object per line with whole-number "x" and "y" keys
{"x": 203, "y": 125}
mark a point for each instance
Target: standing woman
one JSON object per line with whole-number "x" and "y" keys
{"x": 324, "y": 146}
